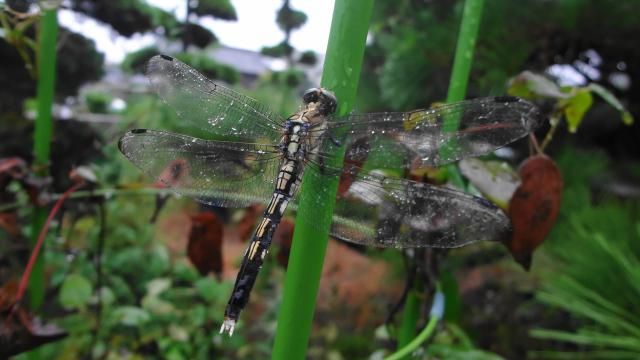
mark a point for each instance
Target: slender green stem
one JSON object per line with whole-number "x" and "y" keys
{"x": 467, "y": 36}
{"x": 341, "y": 74}
{"x": 471, "y": 16}
{"x": 42, "y": 133}
{"x": 410, "y": 317}
{"x": 416, "y": 342}
{"x": 436, "y": 313}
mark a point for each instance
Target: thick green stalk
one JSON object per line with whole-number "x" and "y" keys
{"x": 341, "y": 74}
{"x": 42, "y": 133}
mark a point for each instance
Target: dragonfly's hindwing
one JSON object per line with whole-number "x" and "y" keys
{"x": 218, "y": 173}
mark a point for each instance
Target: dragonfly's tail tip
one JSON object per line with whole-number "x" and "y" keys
{"x": 228, "y": 326}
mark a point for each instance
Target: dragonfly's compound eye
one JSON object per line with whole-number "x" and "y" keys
{"x": 328, "y": 102}
{"x": 311, "y": 95}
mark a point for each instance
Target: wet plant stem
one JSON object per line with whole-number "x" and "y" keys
{"x": 341, "y": 75}
{"x": 467, "y": 36}
{"x": 43, "y": 129}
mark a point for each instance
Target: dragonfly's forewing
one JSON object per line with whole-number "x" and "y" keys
{"x": 220, "y": 173}
{"x": 440, "y": 135}
{"x": 391, "y": 212}
{"x": 211, "y": 107}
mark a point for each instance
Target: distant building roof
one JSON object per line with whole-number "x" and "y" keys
{"x": 245, "y": 61}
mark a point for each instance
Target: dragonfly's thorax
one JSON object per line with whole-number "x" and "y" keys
{"x": 294, "y": 142}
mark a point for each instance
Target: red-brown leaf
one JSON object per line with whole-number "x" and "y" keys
{"x": 14, "y": 166}
{"x": 534, "y": 207}
{"x": 9, "y": 222}
{"x": 8, "y": 294}
{"x": 354, "y": 158}
{"x": 205, "y": 243}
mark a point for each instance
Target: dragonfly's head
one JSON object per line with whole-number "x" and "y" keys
{"x": 323, "y": 100}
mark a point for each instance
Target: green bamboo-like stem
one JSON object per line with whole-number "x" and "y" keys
{"x": 341, "y": 74}
{"x": 42, "y": 134}
{"x": 463, "y": 58}
{"x": 467, "y": 36}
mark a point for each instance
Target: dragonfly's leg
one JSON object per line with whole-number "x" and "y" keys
{"x": 335, "y": 141}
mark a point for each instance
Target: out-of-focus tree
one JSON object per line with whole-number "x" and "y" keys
{"x": 288, "y": 20}
{"x": 79, "y": 60}
{"x": 194, "y": 34}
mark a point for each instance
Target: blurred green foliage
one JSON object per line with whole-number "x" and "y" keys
{"x": 409, "y": 59}
{"x": 128, "y": 17}
{"x": 221, "y": 9}
{"x": 595, "y": 276}
{"x": 98, "y": 101}
{"x": 136, "y": 61}
{"x": 209, "y": 67}
{"x": 155, "y": 305}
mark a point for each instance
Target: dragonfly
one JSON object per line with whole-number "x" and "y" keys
{"x": 244, "y": 153}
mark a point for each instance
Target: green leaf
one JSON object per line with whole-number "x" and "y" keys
{"x": 131, "y": 315}
{"x": 627, "y": 118}
{"x": 208, "y": 289}
{"x": 157, "y": 306}
{"x": 612, "y": 100}
{"x": 575, "y": 107}
{"x": 106, "y": 295}
{"x": 495, "y": 179}
{"x": 156, "y": 286}
{"x": 452, "y": 297}
{"x": 530, "y": 85}
{"x": 75, "y": 292}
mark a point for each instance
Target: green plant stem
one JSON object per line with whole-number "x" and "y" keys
{"x": 42, "y": 134}
{"x": 471, "y": 16}
{"x": 341, "y": 74}
{"x": 467, "y": 37}
{"x": 463, "y": 58}
{"x": 410, "y": 317}
{"x": 416, "y": 342}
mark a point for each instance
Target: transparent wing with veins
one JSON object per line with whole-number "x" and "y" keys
{"x": 441, "y": 135}
{"x": 381, "y": 211}
{"x": 220, "y": 173}
{"x": 209, "y": 106}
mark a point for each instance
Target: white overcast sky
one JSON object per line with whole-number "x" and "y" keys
{"x": 255, "y": 28}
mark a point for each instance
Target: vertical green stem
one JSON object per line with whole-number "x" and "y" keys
{"x": 341, "y": 74}
{"x": 471, "y": 16}
{"x": 42, "y": 132}
{"x": 467, "y": 36}
{"x": 410, "y": 316}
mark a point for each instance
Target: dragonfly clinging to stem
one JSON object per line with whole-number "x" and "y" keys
{"x": 249, "y": 154}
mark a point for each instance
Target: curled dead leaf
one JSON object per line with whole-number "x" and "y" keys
{"x": 534, "y": 207}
